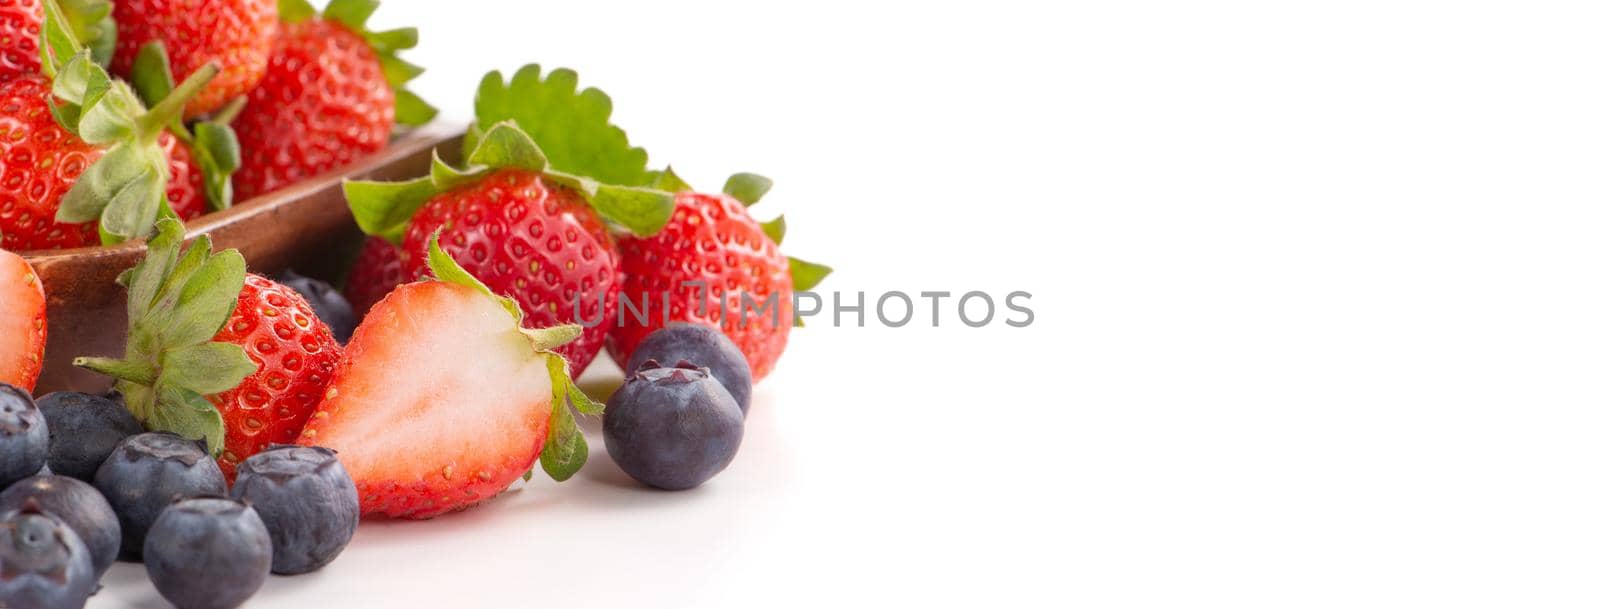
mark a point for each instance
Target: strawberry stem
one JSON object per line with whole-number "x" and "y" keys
{"x": 119, "y": 369}
{"x": 169, "y": 109}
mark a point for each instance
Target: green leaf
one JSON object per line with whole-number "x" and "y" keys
{"x": 581, "y": 401}
{"x": 572, "y": 127}
{"x": 80, "y": 84}
{"x": 775, "y": 229}
{"x": 148, "y": 334}
{"x": 565, "y": 449}
{"x": 390, "y": 41}
{"x": 56, "y": 40}
{"x": 445, "y": 177}
{"x": 145, "y": 278}
{"x": 669, "y": 181}
{"x": 352, "y": 13}
{"x": 748, "y": 188}
{"x": 504, "y": 145}
{"x": 219, "y": 144}
{"x": 216, "y": 147}
{"x": 446, "y": 269}
{"x": 187, "y": 414}
{"x": 92, "y": 26}
{"x": 133, "y": 207}
{"x": 807, "y": 275}
{"x": 177, "y": 299}
{"x": 642, "y": 211}
{"x": 397, "y": 72}
{"x": 152, "y": 73}
{"x": 410, "y": 110}
{"x": 294, "y": 11}
{"x": 206, "y": 368}
{"x": 383, "y": 209}
{"x": 545, "y": 339}
{"x": 92, "y": 191}
{"x": 114, "y": 117}
{"x": 469, "y": 140}
{"x": 207, "y": 299}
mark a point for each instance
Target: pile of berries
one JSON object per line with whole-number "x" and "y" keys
{"x": 85, "y": 485}
{"x": 483, "y": 289}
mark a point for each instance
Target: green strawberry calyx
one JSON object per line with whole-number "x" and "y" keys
{"x": 178, "y": 298}
{"x": 384, "y": 209}
{"x": 215, "y": 146}
{"x": 565, "y": 449}
{"x": 572, "y": 126}
{"x": 91, "y": 24}
{"x": 749, "y": 188}
{"x": 409, "y": 109}
{"x": 126, "y": 190}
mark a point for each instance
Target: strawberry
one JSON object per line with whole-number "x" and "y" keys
{"x": 83, "y": 149}
{"x": 713, "y": 252}
{"x": 216, "y": 353}
{"x": 294, "y": 353}
{"x": 237, "y": 35}
{"x": 528, "y": 231}
{"x": 378, "y": 270}
{"x": 521, "y": 223}
{"x": 22, "y": 20}
{"x": 331, "y": 94}
{"x": 443, "y": 399}
{"x": 22, "y": 322}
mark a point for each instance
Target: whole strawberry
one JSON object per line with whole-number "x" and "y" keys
{"x": 22, "y": 322}
{"x": 216, "y": 353}
{"x": 331, "y": 94}
{"x": 22, "y": 20}
{"x": 82, "y": 149}
{"x": 295, "y": 354}
{"x": 237, "y": 35}
{"x": 714, "y": 264}
{"x": 444, "y": 399}
{"x": 533, "y": 228}
{"x": 529, "y": 232}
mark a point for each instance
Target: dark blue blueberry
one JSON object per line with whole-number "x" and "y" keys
{"x": 84, "y": 429}
{"x": 43, "y": 564}
{"x": 24, "y": 436}
{"x": 703, "y": 346}
{"x": 148, "y": 472}
{"x": 672, "y": 428}
{"x": 77, "y": 504}
{"x": 208, "y": 553}
{"x": 308, "y": 501}
{"x": 329, "y": 305}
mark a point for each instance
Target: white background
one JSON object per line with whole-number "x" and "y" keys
{"x": 1317, "y": 313}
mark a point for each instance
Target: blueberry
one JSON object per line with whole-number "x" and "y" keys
{"x": 84, "y": 429}
{"x": 24, "y": 436}
{"x": 43, "y": 563}
{"x": 703, "y": 346}
{"x": 147, "y": 473}
{"x": 308, "y": 501}
{"x": 329, "y": 305}
{"x": 77, "y": 504}
{"x": 208, "y": 553}
{"x": 672, "y": 428}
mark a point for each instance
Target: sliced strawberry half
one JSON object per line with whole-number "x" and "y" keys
{"x": 443, "y": 400}
{"x": 22, "y": 322}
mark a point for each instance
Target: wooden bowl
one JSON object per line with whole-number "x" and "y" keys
{"x": 307, "y": 227}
